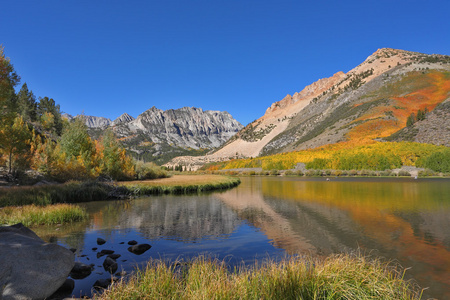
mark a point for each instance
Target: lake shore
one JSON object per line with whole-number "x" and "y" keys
{"x": 37, "y": 205}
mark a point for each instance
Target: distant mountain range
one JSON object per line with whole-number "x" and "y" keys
{"x": 371, "y": 102}
{"x": 157, "y": 135}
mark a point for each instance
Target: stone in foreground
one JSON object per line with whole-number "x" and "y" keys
{"x": 30, "y": 267}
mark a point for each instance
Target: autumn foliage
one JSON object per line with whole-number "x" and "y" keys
{"x": 344, "y": 156}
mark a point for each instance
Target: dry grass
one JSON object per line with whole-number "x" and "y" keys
{"x": 31, "y": 215}
{"x": 335, "y": 277}
{"x": 181, "y": 180}
{"x": 180, "y": 184}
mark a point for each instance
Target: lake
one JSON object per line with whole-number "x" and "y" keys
{"x": 404, "y": 220}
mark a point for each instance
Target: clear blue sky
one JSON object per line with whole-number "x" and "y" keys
{"x": 107, "y": 57}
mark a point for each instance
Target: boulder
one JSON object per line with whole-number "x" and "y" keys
{"x": 139, "y": 249}
{"x": 30, "y": 267}
{"x": 103, "y": 283}
{"x": 80, "y": 271}
{"x": 114, "y": 256}
{"x": 110, "y": 265}
{"x": 100, "y": 241}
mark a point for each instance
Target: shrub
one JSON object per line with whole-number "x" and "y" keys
{"x": 426, "y": 172}
{"x": 149, "y": 171}
{"x": 299, "y": 173}
{"x": 403, "y": 173}
{"x": 274, "y": 172}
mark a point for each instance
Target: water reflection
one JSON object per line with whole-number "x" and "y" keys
{"x": 179, "y": 218}
{"x": 405, "y": 220}
{"x": 177, "y": 227}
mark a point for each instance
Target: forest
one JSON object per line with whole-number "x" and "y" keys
{"x": 35, "y": 140}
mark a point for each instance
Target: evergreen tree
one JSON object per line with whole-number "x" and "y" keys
{"x": 46, "y": 109}
{"x": 26, "y": 104}
{"x": 411, "y": 120}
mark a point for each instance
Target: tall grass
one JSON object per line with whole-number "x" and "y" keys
{"x": 41, "y": 215}
{"x": 335, "y": 277}
{"x": 70, "y": 192}
{"x": 75, "y": 191}
{"x": 181, "y": 185}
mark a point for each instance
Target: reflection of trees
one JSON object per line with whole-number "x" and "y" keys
{"x": 185, "y": 218}
{"x": 402, "y": 220}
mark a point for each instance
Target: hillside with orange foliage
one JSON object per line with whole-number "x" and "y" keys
{"x": 373, "y": 102}
{"x": 425, "y": 90}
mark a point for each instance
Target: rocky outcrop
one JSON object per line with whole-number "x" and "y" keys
{"x": 29, "y": 267}
{"x": 185, "y": 127}
{"x": 124, "y": 118}
{"x": 96, "y": 122}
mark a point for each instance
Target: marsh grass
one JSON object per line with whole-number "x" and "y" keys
{"x": 31, "y": 215}
{"x": 70, "y": 192}
{"x": 181, "y": 184}
{"x": 335, "y": 277}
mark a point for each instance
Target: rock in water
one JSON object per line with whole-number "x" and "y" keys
{"x": 100, "y": 241}
{"x": 31, "y": 268}
{"x": 139, "y": 249}
{"x": 110, "y": 265}
{"x": 80, "y": 271}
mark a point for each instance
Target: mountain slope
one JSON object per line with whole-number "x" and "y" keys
{"x": 157, "y": 135}
{"x": 370, "y": 102}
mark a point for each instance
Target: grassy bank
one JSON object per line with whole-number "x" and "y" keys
{"x": 75, "y": 192}
{"x": 31, "y": 215}
{"x": 180, "y": 184}
{"x": 335, "y": 277}
{"x": 70, "y": 192}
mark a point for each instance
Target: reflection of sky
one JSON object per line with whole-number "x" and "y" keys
{"x": 245, "y": 244}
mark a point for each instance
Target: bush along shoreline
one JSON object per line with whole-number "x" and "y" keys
{"x": 341, "y": 276}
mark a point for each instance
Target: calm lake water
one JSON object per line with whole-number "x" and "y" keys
{"x": 405, "y": 220}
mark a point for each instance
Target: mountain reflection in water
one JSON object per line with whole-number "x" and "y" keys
{"x": 404, "y": 220}
{"x": 399, "y": 219}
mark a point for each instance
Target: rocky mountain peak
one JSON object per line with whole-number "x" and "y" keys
{"x": 124, "y": 118}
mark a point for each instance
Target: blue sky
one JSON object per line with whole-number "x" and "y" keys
{"x": 108, "y": 57}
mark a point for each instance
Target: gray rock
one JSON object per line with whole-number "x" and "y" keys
{"x": 80, "y": 271}
{"x": 139, "y": 249}
{"x": 102, "y": 284}
{"x": 65, "y": 290}
{"x": 110, "y": 265}
{"x": 114, "y": 256}
{"x": 132, "y": 242}
{"x": 30, "y": 267}
{"x": 100, "y": 241}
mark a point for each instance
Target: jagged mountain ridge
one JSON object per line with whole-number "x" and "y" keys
{"x": 188, "y": 127}
{"x": 370, "y": 102}
{"x": 157, "y": 135}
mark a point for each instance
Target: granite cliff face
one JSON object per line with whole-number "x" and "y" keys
{"x": 157, "y": 135}
{"x": 185, "y": 127}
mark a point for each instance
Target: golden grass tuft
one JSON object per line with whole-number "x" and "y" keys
{"x": 31, "y": 215}
{"x": 335, "y": 277}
